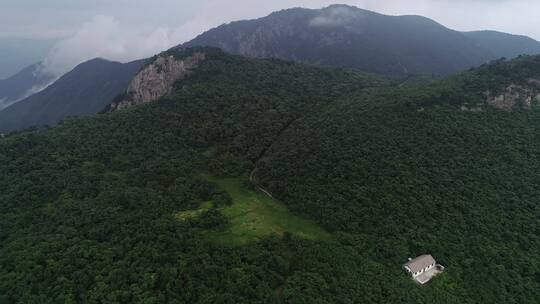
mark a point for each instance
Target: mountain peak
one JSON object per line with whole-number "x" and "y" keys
{"x": 345, "y": 8}
{"x": 87, "y": 89}
{"x": 97, "y": 61}
{"x": 22, "y": 84}
{"x": 347, "y": 36}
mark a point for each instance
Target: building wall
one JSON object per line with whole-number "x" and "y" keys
{"x": 415, "y": 274}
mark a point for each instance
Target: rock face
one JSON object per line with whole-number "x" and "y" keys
{"x": 157, "y": 79}
{"x": 346, "y": 36}
{"x": 515, "y": 95}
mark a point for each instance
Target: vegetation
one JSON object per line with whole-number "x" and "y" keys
{"x": 150, "y": 204}
{"x": 253, "y": 215}
{"x": 408, "y": 172}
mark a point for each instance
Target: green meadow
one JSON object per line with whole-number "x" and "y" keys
{"x": 253, "y": 215}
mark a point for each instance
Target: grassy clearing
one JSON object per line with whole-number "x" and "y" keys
{"x": 254, "y": 215}
{"x": 188, "y": 214}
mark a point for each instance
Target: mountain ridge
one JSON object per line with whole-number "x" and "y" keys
{"x": 85, "y": 90}
{"x": 26, "y": 82}
{"x": 339, "y": 35}
{"x": 347, "y": 36}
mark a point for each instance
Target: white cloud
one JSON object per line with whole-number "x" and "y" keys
{"x": 123, "y": 39}
{"x": 513, "y": 16}
{"x": 336, "y": 16}
{"x": 37, "y": 88}
{"x": 105, "y": 37}
{"x": 216, "y": 12}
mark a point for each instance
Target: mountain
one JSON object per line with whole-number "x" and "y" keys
{"x": 346, "y": 36}
{"x": 18, "y": 53}
{"x": 339, "y": 35}
{"x": 23, "y": 84}
{"x": 504, "y": 45}
{"x": 86, "y": 90}
{"x": 265, "y": 181}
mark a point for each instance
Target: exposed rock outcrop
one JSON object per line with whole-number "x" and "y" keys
{"x": 515, "y": 95}
{"x": 157, "y": 79}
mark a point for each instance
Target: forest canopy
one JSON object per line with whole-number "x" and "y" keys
{"x": 139, "y": 205}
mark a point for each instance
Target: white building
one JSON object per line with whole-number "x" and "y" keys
{"x": 423, "y": 268}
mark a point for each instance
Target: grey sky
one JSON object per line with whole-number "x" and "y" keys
{"x": 129, "y": 29}
{"x": 60, "y": 18}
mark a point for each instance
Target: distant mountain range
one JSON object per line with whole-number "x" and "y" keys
{"x": 339, "y": 35}
{"x": 346, "y": 36}
{"x": 87, "y": 89}
{"x": 23, "y": 84}
{"x": 18, "y": 53}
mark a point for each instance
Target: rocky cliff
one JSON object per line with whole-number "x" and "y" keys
{"x": 157, "y": 79}
{"x": 516, "y": 95}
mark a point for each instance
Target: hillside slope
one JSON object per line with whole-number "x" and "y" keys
{"x": 152, "y": 203}
{"x": 85, "y": 90}
{"x": 21, "y": 85}
{"x": 347, "y": 36}
{"x": 504, "y": 45}
{"x": 435, "y": 169}
{"x": 18, "y": 53}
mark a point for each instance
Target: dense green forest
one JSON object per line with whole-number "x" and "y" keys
{"x": 154, "y": 204}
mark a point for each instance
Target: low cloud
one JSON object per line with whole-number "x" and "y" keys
{"x": 335, "y": 16}
{"x": 37, "y": 88}
{"x": 107, "y": 38}
{"x": 6, "y": 102}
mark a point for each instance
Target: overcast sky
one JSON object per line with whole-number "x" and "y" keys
{"x": 129, "y": 29}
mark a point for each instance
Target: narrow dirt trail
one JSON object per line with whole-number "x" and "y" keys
{"x": 254, "y": 182}
{"x": 252, "y": 175}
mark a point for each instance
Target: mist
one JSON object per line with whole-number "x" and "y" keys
{"x": 110, "y": 38}
{"x": 337, "y": 16}
{"x": 129, "y": 30}
{"x": 105, "y": 37}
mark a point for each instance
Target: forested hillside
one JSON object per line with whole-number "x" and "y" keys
{"x": 410, "y": 171}
{"x": 155, "y": 204}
